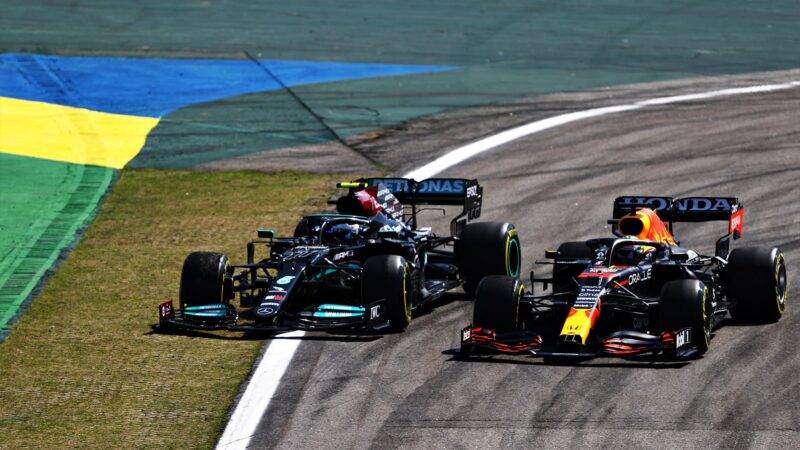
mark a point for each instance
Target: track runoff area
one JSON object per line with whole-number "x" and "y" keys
{"x": 274, "y": 362}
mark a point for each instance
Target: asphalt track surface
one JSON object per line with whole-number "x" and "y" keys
{"x": 404, "y": 390}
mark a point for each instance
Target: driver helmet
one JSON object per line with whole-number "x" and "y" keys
{"x": 632, "y": 254}
{"x": 359, "y": 203}
{"x": 345, "y": 232}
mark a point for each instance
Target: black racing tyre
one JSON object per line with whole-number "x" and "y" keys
{"x": 389, "y": 277}
{"x": 203, "y": 279}
{"x": 488, "y": 248}
{"x": 686, "y": 304}
{"x": 497, "y": 303}
{"x": 756, "y": 284}
{"x": 564, "y": 274}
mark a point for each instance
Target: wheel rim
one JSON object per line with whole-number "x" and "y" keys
{"x": 781, "y": 285}
{"x": 520, "y": 292}
{"x": 406, "y": 304}
{"x": 512, "y": 257}
{"x": 706, "y": 318}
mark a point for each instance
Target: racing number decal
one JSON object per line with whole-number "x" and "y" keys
{"x": 683, "y": 337}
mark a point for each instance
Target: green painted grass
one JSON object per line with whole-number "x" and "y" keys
{"x": 82, "y": 369}
{"x": 43, "y": 206}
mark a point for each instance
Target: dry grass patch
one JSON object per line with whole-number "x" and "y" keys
{"x": 82, "y": 369}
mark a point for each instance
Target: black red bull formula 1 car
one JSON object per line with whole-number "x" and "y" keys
{"x": 635, "y": 293}
{"x": 367, "y": 266}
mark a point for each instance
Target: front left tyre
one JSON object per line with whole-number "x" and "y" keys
{"x": 497, "y": 301}
{"x": 205, "y": 279}
{"x": 686, "y": 304}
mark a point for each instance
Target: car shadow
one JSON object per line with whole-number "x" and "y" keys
{"x": 444, "y": 300}
{"x": 341, "y": 335}
{"x": 330, "y": 335}
{"x": 641, "y": 362}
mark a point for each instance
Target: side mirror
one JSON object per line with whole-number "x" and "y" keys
{"x": 266, "y": 234}
{"x": 551, "y": 254}
{"x": 679, "y": 256}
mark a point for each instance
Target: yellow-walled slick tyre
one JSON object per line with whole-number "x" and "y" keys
{"x": 488, "y": 248}
{"x": 497, "y": 302}
{"x": 388, "y": 277}
{"x": 757, "y": 284}
{"x": 686, "y": 304}
{"x": 203, "y": 279}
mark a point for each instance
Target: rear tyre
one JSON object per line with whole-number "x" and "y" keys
{"x": 565, "y": 274}
{"x": 686, "y": 304}
{"x": 388, "y": 277}
{"x": 205, "y": 279}
{"x": 497, "y": 303}
{"x": 488, "y": 248}
{"x": 757, "y": 284}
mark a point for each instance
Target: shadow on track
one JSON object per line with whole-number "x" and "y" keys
{"x": 643, "y": 362}
{"x": 345, "y": 335}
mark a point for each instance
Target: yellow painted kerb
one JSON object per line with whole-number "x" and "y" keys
{"x": 75, "y": 135}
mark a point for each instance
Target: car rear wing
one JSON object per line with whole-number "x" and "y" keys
{"x": 436, "y": 191}
{"x": 689, "y": 209}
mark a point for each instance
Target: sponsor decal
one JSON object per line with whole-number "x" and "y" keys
{"x": 374, "y": 312}
{"x": 596, "y": 275}
{"x": 394, "y": 185}
{"x": 736, "y": 221}
{"x": 600, "y": 255}
{"x": 285, "y": 280}
{"x": 640, "y": 276}
{"x": 274, "y": 297}
{"x": 587, "y": 297}
{"x": 277, "y": 289}
{"x": 268, "y": 308}
{"x": 653, "y": 203}
{"x": 683, "y": 337}
{"x": 441, "y": 186}
{"x": 604, "y": 270}
{"x": 640, "y": 322}
{"x": 699, "y": 204}
{"x": 430, "y": 186}
{"x": 165, "y": 310}
{"x": 391, "y": 229}
{"x": 472, "y": 191}
{"x": 466, "y": 334}
{"x": 342, "y": 255}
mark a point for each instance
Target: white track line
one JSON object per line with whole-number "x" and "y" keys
{"x": 263, "y": 384}
{"x": 270, "y": 369}
{"x": 461, "y": 154}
